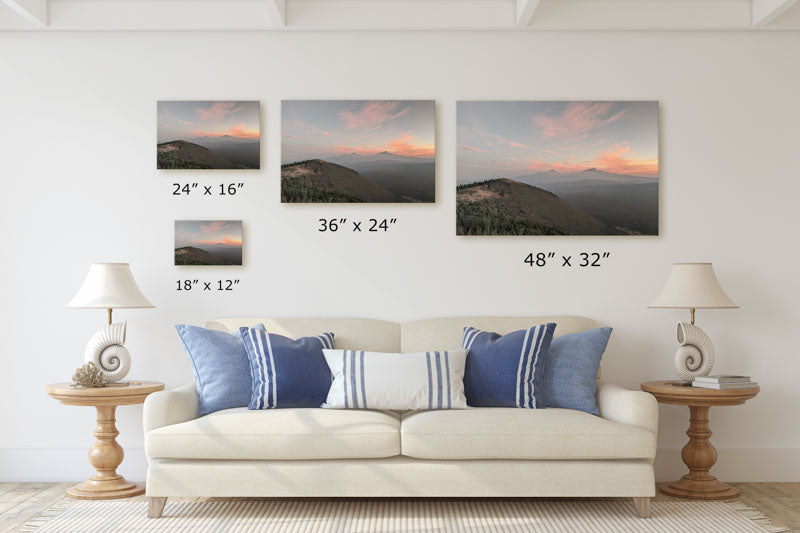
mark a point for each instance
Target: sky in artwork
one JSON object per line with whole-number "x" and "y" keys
{"x": 186, "y": 120}
{"x": 507, "y": 139}
{"x": 320, "y": 129}
{"x": 208, "y": 233}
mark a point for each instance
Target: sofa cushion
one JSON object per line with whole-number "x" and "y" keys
{"x": 570, "y": 370}
{"x": 220, "y": 365}
{"x": 506, "y": 370}
{"x": 280, "y": 434}
{"x": 286, "y": 372}
{"x": 509, "y": 433}
{"x": 397, "y": 381}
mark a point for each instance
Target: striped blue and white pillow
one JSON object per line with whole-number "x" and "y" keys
{"x": 286, "y": 372}
{"x": 506, "y": 371}
{"x": 410, "y": 381}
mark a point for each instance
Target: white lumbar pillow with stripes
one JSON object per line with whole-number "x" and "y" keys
{"x": 396, "y": 381}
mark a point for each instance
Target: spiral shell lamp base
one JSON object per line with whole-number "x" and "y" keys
{"x": 695, "y": 357}
{"x": 106, "y": 349}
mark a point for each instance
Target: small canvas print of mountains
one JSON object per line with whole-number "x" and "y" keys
{"x": 357, "y": 151}
{"x": 208, "y": 134}
{"x": 557, "y": 168}
{"x": 208, "y": 242}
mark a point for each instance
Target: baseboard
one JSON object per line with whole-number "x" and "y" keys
{"x": 737, "y": 464}
{"x": 52, "y": 464}
{"x": 69, "y": 464}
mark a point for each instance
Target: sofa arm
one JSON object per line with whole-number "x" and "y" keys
{"x": 170, "y": 407}
{"x": 635, "y": 408}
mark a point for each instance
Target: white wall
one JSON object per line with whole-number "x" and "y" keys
{"x": 77, "y": 129}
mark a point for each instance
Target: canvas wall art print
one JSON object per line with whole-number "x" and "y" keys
{"x": 208, "y": 242}
{"x": 557, "y": 168}
{"x": 209, "y": 134}
{"x": 357, "y": 151}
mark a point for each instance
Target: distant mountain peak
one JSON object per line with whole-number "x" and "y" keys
{"x": 590, "y": 170}
{"x": 553, "y": 171}
{"x": 385, "y": 152}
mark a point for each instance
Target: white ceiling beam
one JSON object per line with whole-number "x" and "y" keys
{"x": 158, "y": 15}
{"x": 277, "y": 11}
{"x": 34, "y": 11}
{"x": 765, "y": 11}
{"x": 642, "y": 15}
{"x": 525, "y": 9}
{"x": 400, "y": 14}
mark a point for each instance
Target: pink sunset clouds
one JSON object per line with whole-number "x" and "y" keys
{"x": 616, "y": 162}
{"x": 239, "y": 130}
{"x": 208, "y": 233}
{"x": 613, "y": 161}
{"x": 214, "y": 226}
{"x": 577, "y": 120}
{"x": 320, "y": 129}
{"x": 517, "y": 138}
{"x": 227, "y": 240}
{"x": 188, "y": 120}
{"x": 405, "y": 145}
{"x": 373, "y": 115}
{"x": 402, "y": 145}
{"x": 217, "y": 110}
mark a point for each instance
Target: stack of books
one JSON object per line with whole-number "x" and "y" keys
{"x": 723, "y": 382}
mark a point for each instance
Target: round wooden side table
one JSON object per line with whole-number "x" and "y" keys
{"x": 106, "y": 454}
{"x": 698, "y": 454}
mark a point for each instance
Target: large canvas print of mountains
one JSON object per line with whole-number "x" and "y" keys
{"x": 588, "y": 202}
{"x": 224, "y": 152}
{"x": 551, "y": 167}
{"x": 355, "y": 178}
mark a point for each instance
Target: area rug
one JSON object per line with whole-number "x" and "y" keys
{"x": 565, "y": 516}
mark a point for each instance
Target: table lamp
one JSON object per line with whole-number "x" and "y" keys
{"x": 109, "y": 286}
{"x": 693, "y": 286}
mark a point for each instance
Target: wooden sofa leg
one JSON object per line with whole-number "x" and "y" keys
{"x": 155, "y": 506}
{"x": 642, "y": 506}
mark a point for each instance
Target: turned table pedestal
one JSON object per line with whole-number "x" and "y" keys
{"x": 698, "y": 454}
{"x": 106, "y": 454}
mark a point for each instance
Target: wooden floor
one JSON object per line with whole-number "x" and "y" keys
{"x": 21, "y": 501}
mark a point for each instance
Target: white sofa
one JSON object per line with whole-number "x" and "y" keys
{"x": 480, "y": 452}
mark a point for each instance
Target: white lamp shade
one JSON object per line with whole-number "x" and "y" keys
{"x": 109, "y": 286}
{"x": 693, "y": 286}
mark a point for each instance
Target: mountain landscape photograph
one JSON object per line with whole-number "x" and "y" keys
{"x": 557, "y": 168}
{"x": 208, "y": 242}
{"x": 208, "y": 134}
{"x": 354, "y": 151}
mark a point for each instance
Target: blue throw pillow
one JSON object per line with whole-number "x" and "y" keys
{"x": 286, "y": 372}
{"x": 506, "y": 371}
{"x": 571, "y": 369}
{"x": 220, "y": 365}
